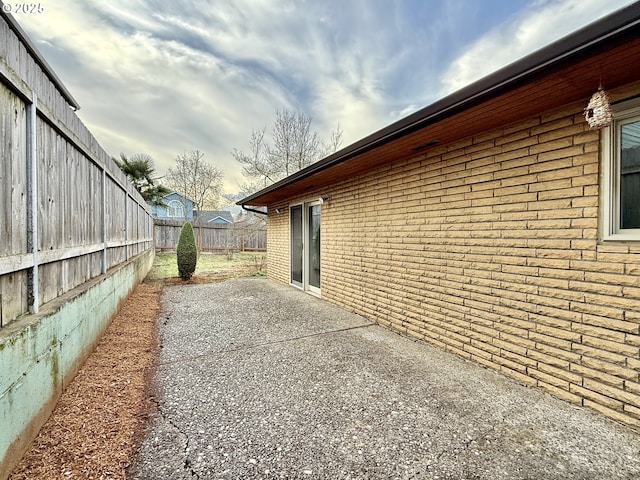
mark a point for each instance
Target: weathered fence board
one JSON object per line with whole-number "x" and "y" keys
{"x": 213, "y": 237}
{"x": 86, "y": 216}
{"x": 13, "y": 174}
{"x": 13, "y": 289}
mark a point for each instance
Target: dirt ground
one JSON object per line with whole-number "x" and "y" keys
{"x": 95, "y": 428}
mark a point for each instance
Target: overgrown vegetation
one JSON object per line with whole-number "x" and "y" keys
{"x": 186, "y": 252}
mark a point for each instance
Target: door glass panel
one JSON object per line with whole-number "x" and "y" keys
{"x": 630, "y": 175}
{"x": 314, "y": 245}
{"x": 296, "y": 244}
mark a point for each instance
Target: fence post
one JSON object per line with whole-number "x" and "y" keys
{"x": 32, "y": 205}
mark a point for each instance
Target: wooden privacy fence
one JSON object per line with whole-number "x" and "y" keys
{"x": 67, "y": 213}
{"x": 213, "y": 237}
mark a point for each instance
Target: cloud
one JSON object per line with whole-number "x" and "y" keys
{"x": 162, "y": 77}
{"x": 541, "y": 23}
{"x": 150, "y": 83}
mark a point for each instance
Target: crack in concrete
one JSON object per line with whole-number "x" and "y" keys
{"x": 465, "y": 446}
{"x": 187, "y": 461}
{"x": 159, "y": 407}
{"x": 263, "y": 344}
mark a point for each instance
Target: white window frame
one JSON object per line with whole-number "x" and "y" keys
{"x": 317, "y": 291}
{"x": 305, "y": 286}
{"x": 610, "y": 154}
{"x": 175, "y": 209}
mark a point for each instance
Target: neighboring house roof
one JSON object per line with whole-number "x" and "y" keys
{"x": 213, "y": 216}
{"x": 173, "y": 194}
{"x": 568, "y": 70}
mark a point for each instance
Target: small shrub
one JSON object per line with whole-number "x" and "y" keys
{"x": 187, "y": 253}
{"x": 260, "y": 262}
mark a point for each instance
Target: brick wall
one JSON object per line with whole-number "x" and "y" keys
{"x": 278, "y": 243}
{"x": 489, "y": 248}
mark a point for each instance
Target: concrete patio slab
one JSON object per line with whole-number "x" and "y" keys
{"x": 260, "y": 380}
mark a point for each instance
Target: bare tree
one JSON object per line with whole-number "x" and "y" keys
{"x": 257, "y": 165}
{"x": 196, "y": 179}
{"x": 334, "y": 143}
{"x": 294, "y": 146}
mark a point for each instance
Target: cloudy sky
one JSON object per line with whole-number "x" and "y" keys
{"x": 163, "y": 77}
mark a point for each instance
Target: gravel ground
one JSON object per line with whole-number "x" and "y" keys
{"x": 259, "y": 380}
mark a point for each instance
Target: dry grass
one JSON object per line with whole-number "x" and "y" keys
{"x": 211, "y": 267}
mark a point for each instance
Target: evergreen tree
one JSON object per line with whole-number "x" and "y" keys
{"x": 140, "y": 171}
{"x": 187, "y": 252}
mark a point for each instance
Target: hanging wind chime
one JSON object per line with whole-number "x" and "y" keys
{"x": 598, "y": 112}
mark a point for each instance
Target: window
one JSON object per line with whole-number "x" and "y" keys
{"x": 621, "y": 174}
{"x": 175, "y": 209}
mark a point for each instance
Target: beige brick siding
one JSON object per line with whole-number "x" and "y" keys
{"x": 489, "y": 248}
{"x": 278, "y": 243}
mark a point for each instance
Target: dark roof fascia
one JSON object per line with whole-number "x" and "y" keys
{"x": 578, "y": 43}
{"x": 39, "y": 59}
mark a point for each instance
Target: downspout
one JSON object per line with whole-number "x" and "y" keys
{"x": 249, "y": 209}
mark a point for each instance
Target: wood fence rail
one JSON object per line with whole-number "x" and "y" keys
{"x": 67, "y": 213}
{"x": 241, "y": 236}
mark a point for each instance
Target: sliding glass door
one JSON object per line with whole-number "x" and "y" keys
{"x": 296, "y": 243}
{"x": 305, "y": 245}
{"x": 313, "y": 250}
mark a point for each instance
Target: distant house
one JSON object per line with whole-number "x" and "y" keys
{"x": 178, "y": 207}
{"x": 495, "y": 223}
